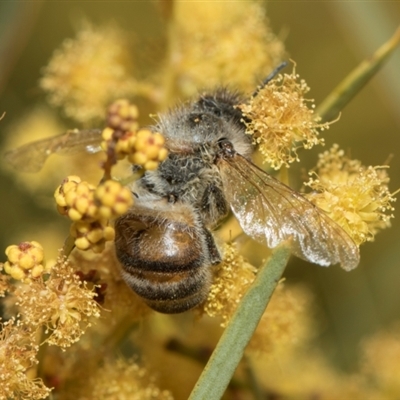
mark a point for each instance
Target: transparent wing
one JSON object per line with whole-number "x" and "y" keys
{"x": 32, "y": 156}
{"x": 271, "y": 212}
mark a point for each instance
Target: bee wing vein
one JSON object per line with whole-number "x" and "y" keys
{"x": 271, "y": 212}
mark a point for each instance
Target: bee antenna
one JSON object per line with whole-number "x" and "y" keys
{"x": 269, "y": 78}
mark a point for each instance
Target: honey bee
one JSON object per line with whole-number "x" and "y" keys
{"x": 164, "y": 243}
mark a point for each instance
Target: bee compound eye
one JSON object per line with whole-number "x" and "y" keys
{"x": 227, "y": 149}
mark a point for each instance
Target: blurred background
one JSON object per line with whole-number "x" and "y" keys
{"x": 325, "y": 39}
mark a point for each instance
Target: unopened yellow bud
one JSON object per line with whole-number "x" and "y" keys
{"x": 13, "y": 253}
{"x": 26, "y": 261}
{"x": 107, "y": 133}
{"x": 142, "y": 139}
{"x": 120, "y": 208}
{"x": 17, "y": 273}
{"x": 7, "y": 267}
{"x": 22, "y": 258}
{"x": 37, "y": 254}
{"x": 158, "y": 139}
{"x": 162, "y": 154}
{"x": 138, "y": 158}
{"x": 91, "y": 211}
{"x": 131, "y": 140}
{"x": 74, "y": 214}
{"x": 121, "y": 147}
{"x": 95, "y": 235}
{"x": 108, "y": 199}
{"x": 60, "y": 198}
{"x": 100, "y": 191}
{"x": 82, "y": 243}
{"x": 109, "y": 233}
{"x": 82, "y": 227}
{"x": 123, "y": 110}
{"x": 82, "y": 204}
{"x": 83, "y": 188}
{"x": 152, "y": 152}
{"x": 70, "y": 198}
{"x": 151, "y": 165}
{"x": 37, "y": 271}
{"x": 105, "y": 212}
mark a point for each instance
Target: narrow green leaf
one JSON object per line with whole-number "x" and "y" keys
{"x": 229, "y": 351}
{"x": 69, "y": 245}
{"x": 354, "y": 82}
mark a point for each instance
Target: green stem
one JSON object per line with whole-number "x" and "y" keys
{"x": 40, "y": 339}
{"x": 354, "y": 82}
{"x": 69, "y": 245}
{"x": 229, "y": 351}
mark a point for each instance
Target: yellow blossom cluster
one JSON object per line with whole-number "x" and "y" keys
{"x": 88, "y": 72}
{"x": 112, "y": 199}
{"x": 75, "y": 199}
{"x": 122, "y": 116}
{"x": 62, "y": 303}
{"x": 121, "y": 137}
{"x": 117, "y": 379}
{"x": 381, "y": 363}
{"x": 25, "y": 260}
{"x": 91, "y": 208}
{"x": 280, "y": 121}
{"x": 355, "y": 196}
{"x": 227, "y": 43}
{"x": 306, "y": 373}
{"x": 120, "y": 299}
{"x": 231, "y": 280}
{"x": 286, "y": 322}
{"x": 17, "y": 355}
{"x": 149, "y": 149}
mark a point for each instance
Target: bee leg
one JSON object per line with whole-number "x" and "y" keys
{"x": 270, "y": 77}
{"x": 213, "y": 204}
{"x": 215, "y": 256}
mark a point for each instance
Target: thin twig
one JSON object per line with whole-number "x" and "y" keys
{"x": 355, "y": 81}
{"x": 229, "y": 351}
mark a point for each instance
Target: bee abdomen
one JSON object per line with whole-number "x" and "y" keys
{"x": 170, "y": 292}
{"x": 166, "y": 259}
{"x": 178, "y": 305}
{"x": 171, "y": 248}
